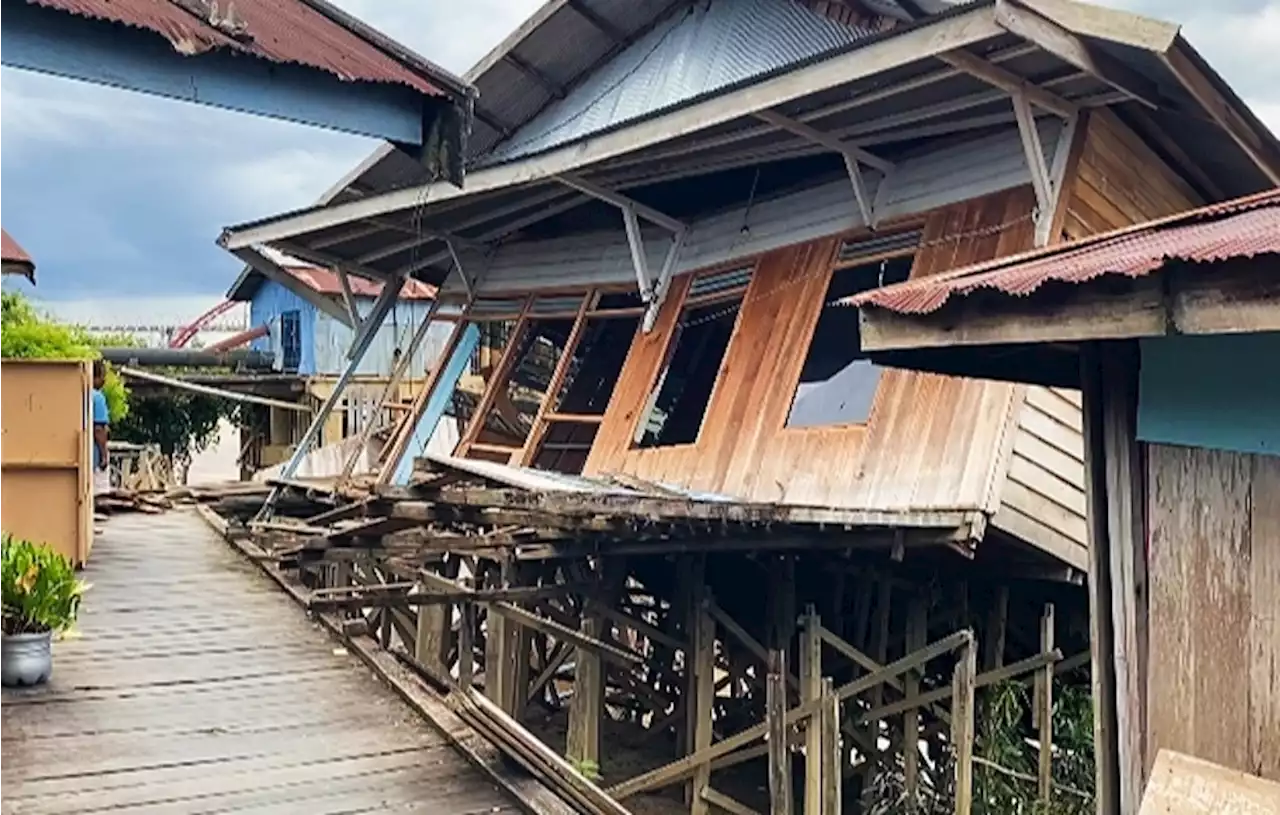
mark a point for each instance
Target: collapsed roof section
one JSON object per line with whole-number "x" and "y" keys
{"x": 866, "y": 97}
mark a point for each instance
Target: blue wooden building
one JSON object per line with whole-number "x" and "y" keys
{"x": 309, "y": 346}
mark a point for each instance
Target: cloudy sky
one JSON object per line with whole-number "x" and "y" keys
{"x": 120, "y": 196}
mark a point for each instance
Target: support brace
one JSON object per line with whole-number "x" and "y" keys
{"x": 652, "y": 291}
{"x": 853, "y": 155}
{"x": 367, "y": 330}
{"x": 348, "y": 297}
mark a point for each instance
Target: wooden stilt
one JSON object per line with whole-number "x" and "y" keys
{"x": 466, "y": 645}
{"x": 832, "y": 753}
{"x": 435, "y": 629}
{"x": 810, "y": 689}
{"x": 776, "y": 722}
{"x": 916, "y": 638}
{"x": 703, "y": 667}
{"x": 1044, "y": 706}
{"x": 997, "y": 628}
{"x": 962, "y": 727}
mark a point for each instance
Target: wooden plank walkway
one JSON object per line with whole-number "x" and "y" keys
{"x": 199, "y": 687}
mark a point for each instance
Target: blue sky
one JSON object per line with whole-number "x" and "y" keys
{"x": 120, "y": 196}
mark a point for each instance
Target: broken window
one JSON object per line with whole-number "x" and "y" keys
{"x": 516, "y": 401}
{"x": 574, "y": 414}
{"x": 838, "y": 383}
{"x": 679, "y": 400}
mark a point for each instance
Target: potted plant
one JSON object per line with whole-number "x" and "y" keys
{"x": 41, "y": 597}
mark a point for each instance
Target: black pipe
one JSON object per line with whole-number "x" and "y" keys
{"x": 245, "y": 358}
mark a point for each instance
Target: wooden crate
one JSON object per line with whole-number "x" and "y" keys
{"x": 46, "y": 463}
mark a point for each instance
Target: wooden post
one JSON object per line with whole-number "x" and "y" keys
{"x": 435, "y": 629}
{"x": 810, "y": 689}
{"x": 507, "y": 647}
{"x": 916, "y": 638}
{"x": 879, "y": 652}
{"x": 776, "y": 721}
{"x": 1126, "y": 528}
{"x": 962, "y": 726}
{"x": 997, "y": 630}
{"x": 1101, "y": 639}
{"x": 586, "y": 707}
{"x": 466, "y": 644}
{"x": 1043, "y": 710}
{"x": 703, "y": 666}
{"x": 832, "y": 753}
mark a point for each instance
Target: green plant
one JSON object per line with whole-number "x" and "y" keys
{"x": 586, "y": 768}
{"x": 39, "y": 586}
{"x": 25, "y": 334}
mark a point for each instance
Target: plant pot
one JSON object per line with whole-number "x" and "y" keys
{"x": 26, "y": 659}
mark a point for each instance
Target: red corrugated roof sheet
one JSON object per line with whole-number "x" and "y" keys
{"x": 282, "y": 31}
{"x": 13, "y": 257}
{"x": 1244, "y": 227}
{"x": 326, "y": 282}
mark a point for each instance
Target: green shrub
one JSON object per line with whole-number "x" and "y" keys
{"x": 40, "y": 589}
{"x": 26, "y": 335}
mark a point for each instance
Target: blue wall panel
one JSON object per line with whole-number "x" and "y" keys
{"x": 63, "y": 44}
{"x": 269, "y": 302}
{"x": 1220, "y": 392}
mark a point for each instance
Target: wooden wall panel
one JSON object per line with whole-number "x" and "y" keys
{"x": 1118, "y": 181}
{"x": 1214, "y": 577}
{"x": 931, "y": 442}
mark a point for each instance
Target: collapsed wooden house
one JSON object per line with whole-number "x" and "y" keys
{"x": 671, "y": 448}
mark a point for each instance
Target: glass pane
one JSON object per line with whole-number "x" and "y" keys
{"x": 619, "y": 300}
{"x": 596, "y": 365}
{"x": 537, "y": 353}
{"x": 838, "y": 383}
{"x": 684, "y": 388}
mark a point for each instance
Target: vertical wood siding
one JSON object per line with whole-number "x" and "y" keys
{"x": 931, "y": 441}
{"x": 1214, "y": 613}
{"x": 1118, "y": 181}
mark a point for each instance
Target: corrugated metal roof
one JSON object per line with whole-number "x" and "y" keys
{"x": 14, "y": 259}
{"x": 1244, "y": 227}
{"x": 326, "y": 282}
{"x": 281, "y": 31}
{"x": 699, "y": 50}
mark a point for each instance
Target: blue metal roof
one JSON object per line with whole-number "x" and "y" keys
{"x": 701, "y": 49}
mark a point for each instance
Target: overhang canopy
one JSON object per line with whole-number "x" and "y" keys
{"x": 881, "y": 92}
{"x": 302, "y": 60}
{"x": 1214, "y": 270}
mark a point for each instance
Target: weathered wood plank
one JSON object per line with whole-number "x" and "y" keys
{"x": 199, "y": 687}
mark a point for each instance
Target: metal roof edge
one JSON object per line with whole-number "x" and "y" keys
{"x": 392, "y": 48}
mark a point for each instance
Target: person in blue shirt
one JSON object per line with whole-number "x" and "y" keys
{"x": 101, "y": 423}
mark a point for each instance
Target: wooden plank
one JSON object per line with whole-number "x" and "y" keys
{"x": 811, "y": 688}
{"x": 962, "y": 727}
{"x": 1044, "y": 708}
{"x": 221, "y": 698}
{"x": 1183, "y": 785}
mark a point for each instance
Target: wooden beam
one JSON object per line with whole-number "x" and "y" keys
{"x": 917, "y": 633}
{"x": 702, "y": 663}
{"x": 832, "y": 753}
{"x": 1023, "y": 21}
{"x": 1009, "y": 82}
{"x": 1101, "y": 634}
{"x": 954, "y": 31}
{"x": 612, "y": 653}
{"x": 810, "y": 689}
{"x": 684, "y": 767}
{"x": 721, "y": 801}
{"x": 826, "y": 140}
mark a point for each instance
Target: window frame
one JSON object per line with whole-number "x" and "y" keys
{"x": 751, "y": 265}
{"x": 836, "y": 267}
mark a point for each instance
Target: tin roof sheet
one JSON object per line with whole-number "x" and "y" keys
{"x": 13, "y": 257}
{"x": 326, "y": 282}
{"x": 1244, "y": 227}
{"x": 302, "y": 32}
